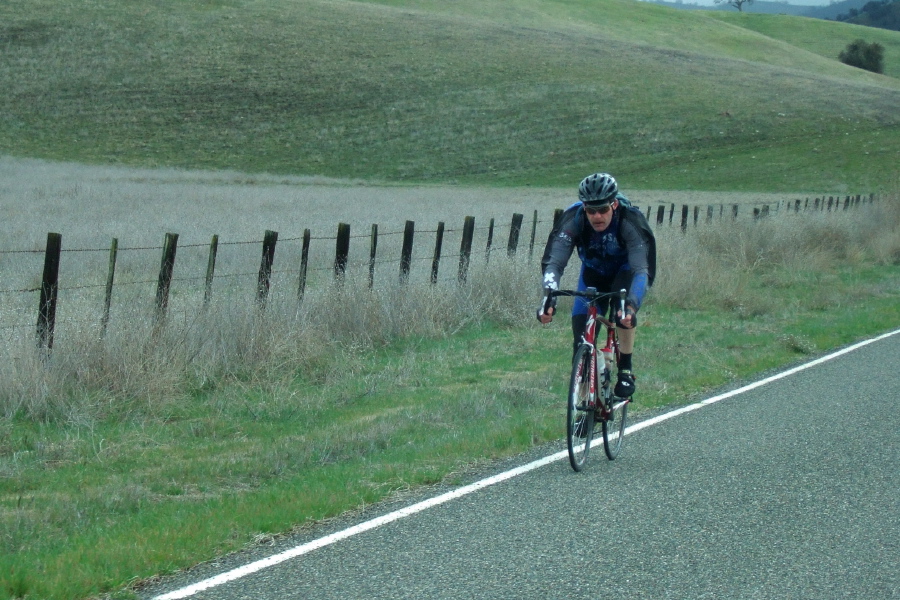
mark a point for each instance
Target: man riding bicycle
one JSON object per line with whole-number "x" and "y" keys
{"x": 617, "y": 251}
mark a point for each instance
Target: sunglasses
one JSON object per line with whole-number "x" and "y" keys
{"x": 599, "y": 209}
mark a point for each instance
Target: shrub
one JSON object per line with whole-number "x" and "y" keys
{"x": 863, "y": 55}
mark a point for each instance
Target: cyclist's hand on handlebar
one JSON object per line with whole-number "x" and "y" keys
{"x": 628, "y": 320}
{"x": 547, "y": 308}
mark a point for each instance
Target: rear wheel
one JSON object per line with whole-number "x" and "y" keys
{"x": 579, "y": 415}
{"x": 614, "y": 426}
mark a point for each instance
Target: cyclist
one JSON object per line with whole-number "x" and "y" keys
{"x": 616, "y": 252}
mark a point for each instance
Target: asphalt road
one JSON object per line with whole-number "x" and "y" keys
{"x": 786, "y": 491}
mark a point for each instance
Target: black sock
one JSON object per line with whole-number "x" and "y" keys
{"x": 624, "y": 362}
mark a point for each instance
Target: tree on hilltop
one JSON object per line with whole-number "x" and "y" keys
{"x": 738, "y": 4}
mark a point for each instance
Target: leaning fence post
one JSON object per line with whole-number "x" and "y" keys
{"x": 660, "y": 215}
{"x": 304, "y": 265}
{"x": 341, "y": 251}
{"x": 406, "y": 251}
{"x": 533, "y": 234}
{"x": 684, "y": 217}
{"x": 514, "y": 229}
{"x": 438, "y": 242}
{"x": 210, "y": 270}
{"x": 110, "y": 276}
{"x": 373, "y": 249}
{"x": 490, "y": 240}
{"x": 49, "y": 288}
{"x": 264, "y": 281}
{"x": 465, "y": 248}
{"x": 167, "y": 264}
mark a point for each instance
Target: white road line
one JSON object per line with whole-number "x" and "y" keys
{"x": 265, "y": 563}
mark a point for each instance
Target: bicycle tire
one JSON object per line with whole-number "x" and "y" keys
{"x": 614, "y": 425}
{"x": 578, "y": 438}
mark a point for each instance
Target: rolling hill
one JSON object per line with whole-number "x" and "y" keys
{"x": 530, "y": 92}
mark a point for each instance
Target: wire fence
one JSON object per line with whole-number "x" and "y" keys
{"x": 304, "y": 260}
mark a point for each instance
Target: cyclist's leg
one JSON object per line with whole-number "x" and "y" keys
{"x": 625, "y": 381}
{"x": 579, "y": 308}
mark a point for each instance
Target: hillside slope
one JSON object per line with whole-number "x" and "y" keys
{"x": 414, "y": 92}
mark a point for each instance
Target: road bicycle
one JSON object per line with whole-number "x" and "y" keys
{"x": 591, "y": 398}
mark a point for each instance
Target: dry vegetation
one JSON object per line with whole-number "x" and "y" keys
{"x": 140, "y": 363}
{"x": 210, "y": 411}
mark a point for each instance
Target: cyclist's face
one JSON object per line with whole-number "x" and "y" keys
{"x": 600, "y": 220}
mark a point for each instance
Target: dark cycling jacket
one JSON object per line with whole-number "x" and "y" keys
{"x": 620, "y": 248}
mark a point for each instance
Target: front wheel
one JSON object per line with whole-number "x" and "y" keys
{"x": 579, "y": 412}
{"x": 614, "y": 426}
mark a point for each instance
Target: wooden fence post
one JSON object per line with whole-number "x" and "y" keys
{"x": 684, "y": 217}
{"x": 264, "y": 281}
{"x": 490, "y": 240}
{"x": 557, "y": 215}
{"x": 465, "y": 249}
{"x": 373, "y": 249}
{"x": 110, "y": 276}
{"x": 514, "y": 228}
{"x": 341, "y": 251}
{"x": 734, "y": 212}
{"x": 660, "y": 215}
{"x": 438, "y": 242}
{"x": 533, "y": 234}
{"x": 709, "y": 214}
{"x": 166, "y": 266}
{"x": 49, "y": 290}
{"x": 304, "y": 266}
{"x": 210, "y": 270}
{"x": 671, "y": 212}
{"x": 696, "y": 215}
{"x": 406, "y": 251}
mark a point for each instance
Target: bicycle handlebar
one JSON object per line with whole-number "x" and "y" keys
{"x": 590, "y": 294}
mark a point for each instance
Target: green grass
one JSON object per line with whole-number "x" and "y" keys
{"x": 239, "y": 462}
{"x": 442, "y": 92}
{"x": 108, "y": 485}
{"x": 825, "y": 38}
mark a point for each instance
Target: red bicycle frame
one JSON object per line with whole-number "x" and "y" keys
{"x": 612, "y": 346}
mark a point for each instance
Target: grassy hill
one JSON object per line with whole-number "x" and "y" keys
{"x": 536, "y": 92}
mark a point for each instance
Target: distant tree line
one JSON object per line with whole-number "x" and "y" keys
{"x": 884, "y": 14}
